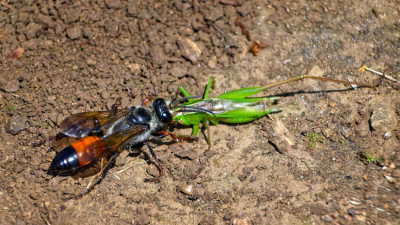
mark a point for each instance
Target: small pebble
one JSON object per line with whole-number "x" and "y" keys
{"x": 351, "y": 212}
{"x": 189, "y": 49}
{"x": 328, "y": 218}
{"x": 113, "y": 4}
{"x": 153, "y": 170}
{"x": 32, "y": 29}
{"x": 11, "y": 86}
{"x": 387, "y": 135}
{"x": 212, "y": 62}
{"x": 15, "y": 125}
{"x": 244, "y": 9}
{"x": 355, "y": 201}
{"x": 74, "y": 33}
{"x": 187, "y": 153}
{"x": 105, "y": 95}
{"x": 187, "y": 189}
{"x": 389, "y": 179}
{"x": 383, "y": 117}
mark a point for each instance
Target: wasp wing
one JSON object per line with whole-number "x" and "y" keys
{"x": 81, "y": 124}
{"x": 112, "y": 143}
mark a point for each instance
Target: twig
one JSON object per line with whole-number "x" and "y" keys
{"x": 365, "y": 68}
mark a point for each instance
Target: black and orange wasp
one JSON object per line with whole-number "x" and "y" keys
{"x": 104, "y": 133}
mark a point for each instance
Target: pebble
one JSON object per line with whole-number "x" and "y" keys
{"x": 105, "y": 95}
{"x": 113, "y": 4}
{"x": 127, "y": 52}
{"x": 240, "y": 221}
{"x": 214, "y": 14}
{"x": 11, "y": 86}
{"x": 134, "y": 68}
{"x": 91, "y": 61}
{"x": 132, "y": 8}
{"x": 32, "y": 29}
{"x": 73, "y": 14}
{"x": 355, "y": 201}
{"x": 383, "y": 118}
{"x": 351, "y": 212}
{"x": 46, "y": 20}
{"x": 360, "y": 218}
{"x": 87, "y": 33}
{"x": 212, "y": 63}
{"x": 121, "y": 160}
{"x": 328, "y": 218}
{"x": 187, "y": 153}
{"x": 15, "y": 125}
{"x": 389, "y": 179}
{"x": 244, "y": 10}
{"x": 157, "y": 55}
{"x": 74, "y": 33}
{"x": 387, "y": 135}
{"x": 187, "y": 189}
{"x": 189, "y": 49}
{"x": 153, "y": 170}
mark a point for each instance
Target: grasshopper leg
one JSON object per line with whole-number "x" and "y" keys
{"x": 195, "y": 129}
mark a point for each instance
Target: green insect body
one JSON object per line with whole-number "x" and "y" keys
{"x": 231, "y": 107}
{"x": 236, "y": 106}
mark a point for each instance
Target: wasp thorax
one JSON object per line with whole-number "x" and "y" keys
{"x": 162, "y": 111}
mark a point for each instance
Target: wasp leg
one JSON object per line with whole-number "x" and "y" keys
{"x": 117, "y": 104}
{"x": 97, "y": 131}
{"x": 102, "y": 174}
{"x": 146, "y": 100}
{"x": 187, "y": 138}
{"x": 157, "y": 163}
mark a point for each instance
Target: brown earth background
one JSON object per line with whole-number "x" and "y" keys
{"x": 64, "y": 57}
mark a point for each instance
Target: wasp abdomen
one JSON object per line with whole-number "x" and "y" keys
{"x": 78, "y": 154}
{"x": 65, "y": 160}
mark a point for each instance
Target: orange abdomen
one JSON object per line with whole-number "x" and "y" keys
{"x": 88, "y": 149}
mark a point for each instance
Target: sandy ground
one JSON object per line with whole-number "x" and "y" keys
{"x": 331, "y": 156}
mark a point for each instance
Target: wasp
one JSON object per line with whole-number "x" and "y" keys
{"x": 102, "y": 134}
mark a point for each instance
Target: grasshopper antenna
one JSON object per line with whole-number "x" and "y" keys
{"x": 301, "y": 77}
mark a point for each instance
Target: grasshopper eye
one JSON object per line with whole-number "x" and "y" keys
{"x": 162, "y": 110}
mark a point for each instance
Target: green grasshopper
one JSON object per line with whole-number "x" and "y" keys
{"x": 232, "y": 107}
